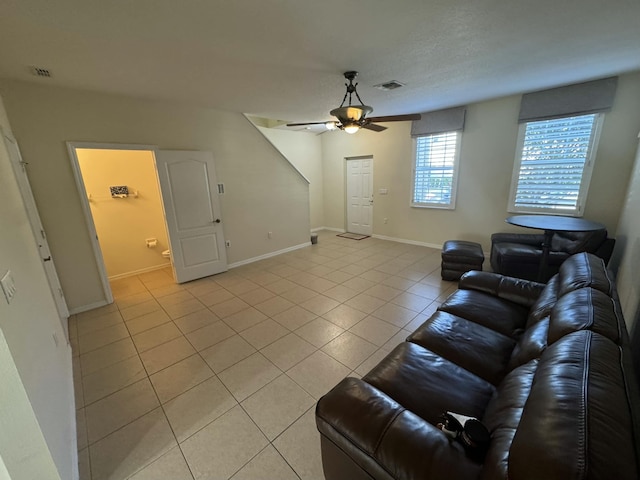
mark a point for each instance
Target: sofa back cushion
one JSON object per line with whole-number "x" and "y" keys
{"x": 584, "y": 270}
{"x": 585, "y": 309}
{"x": 575, "y": 242}
{"x": 576, "y": 420}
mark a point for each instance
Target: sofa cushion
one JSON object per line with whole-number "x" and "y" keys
{"x": 429, "y": 385}
{"x": 487, "y": 310}
{"x": 478, "y": 349}
{"x": 575, "y": 423}
{"x": 575, "y": 242}
{"x": 584, "y": 270}
{"x": 585, "y": 309}
{"x": 519, "y": 254}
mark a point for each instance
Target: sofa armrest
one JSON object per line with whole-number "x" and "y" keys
{"x": 516, "y": 290}
{"x": 384, "y": 439}
{"x": 533, "y": 239}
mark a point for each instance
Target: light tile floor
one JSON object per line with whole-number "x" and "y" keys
{"x": 218, "y": 378}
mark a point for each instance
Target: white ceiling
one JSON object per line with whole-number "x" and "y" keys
{"x": 283, "y": 59}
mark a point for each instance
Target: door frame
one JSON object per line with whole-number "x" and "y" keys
{"x": 84, "y": 200}
{"x": 346, "y": 186}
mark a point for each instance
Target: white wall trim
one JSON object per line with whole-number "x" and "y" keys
{"x": 85, "y": 308}
{"x": 138, "y": 272}
{"x": 317, "y": 229}
{"x": 268, "y": 255}
{"x": 410, "y": 242}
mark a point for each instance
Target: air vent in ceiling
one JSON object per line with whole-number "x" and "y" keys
{"x": 390, "y": 85}
{"x": 41, "y": 72}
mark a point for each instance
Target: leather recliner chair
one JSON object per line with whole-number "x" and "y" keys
{"x": 519, "y": 254}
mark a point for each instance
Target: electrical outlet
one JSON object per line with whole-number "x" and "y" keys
{"x": 227, "y": 243}
{"x": 8, "y": 286}
{"x": 269, "y": 234}
{"x": 385, "y": 220}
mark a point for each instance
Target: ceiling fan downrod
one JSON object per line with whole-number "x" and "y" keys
{"x": 351, "y": 88}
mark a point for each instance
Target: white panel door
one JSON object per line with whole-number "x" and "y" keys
{"x": 19, "y": 169}
{"x": 360, "y": 196}
{"x": 189, "y": 193}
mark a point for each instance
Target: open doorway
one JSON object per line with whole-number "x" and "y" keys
{"x": 150, "y": 212}
{"x": 126, "y": 212}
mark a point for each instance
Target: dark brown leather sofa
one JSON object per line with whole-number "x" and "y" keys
{"x": 546, "y": 368}
{"x": 518, "y": 254}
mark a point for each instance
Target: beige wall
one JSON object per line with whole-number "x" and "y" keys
{"x": 486, "y": 166}
{"x": 626, "y": 256}
{"x": 263, "y": 192}
{"x": 37, "y": 415}
{"x": 304, "y": 151}
{"x": 123, "y": 224}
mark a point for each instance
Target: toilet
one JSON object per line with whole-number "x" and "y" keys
{"x": 166, "y": 253}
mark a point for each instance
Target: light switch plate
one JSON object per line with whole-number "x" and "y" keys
{"x": 8, "y": 286}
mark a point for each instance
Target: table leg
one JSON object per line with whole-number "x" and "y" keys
{"x": 544, "y": 261}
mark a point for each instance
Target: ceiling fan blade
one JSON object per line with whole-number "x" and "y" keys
{"x": 396, "y": 118}
{"x": 308, "y": 123}
{"x": 374, "y": 127}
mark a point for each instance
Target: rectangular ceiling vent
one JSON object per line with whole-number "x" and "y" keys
{"x": 390, "y": 85}
{"x": 41, "y": 72}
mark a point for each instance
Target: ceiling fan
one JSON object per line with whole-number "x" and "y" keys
{"x": 352, "y": 118}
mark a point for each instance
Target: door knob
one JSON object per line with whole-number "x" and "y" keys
{"x": 47, "y": 259}
{"x": 217, "y": 220}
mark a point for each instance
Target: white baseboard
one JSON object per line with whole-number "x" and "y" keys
{"x": 85, "y": 308}
{"x": 138, "y": 272}
{"x": 410, "y": 242}
{"x": 267, "y": 255}
{"x": 331, "y": 229}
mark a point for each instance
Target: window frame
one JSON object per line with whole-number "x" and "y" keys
{"x": 586, "y": 172}
{"x": 454, "y": 179}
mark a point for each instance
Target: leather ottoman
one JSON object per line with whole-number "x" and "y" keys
{"x": 460, "y": 256}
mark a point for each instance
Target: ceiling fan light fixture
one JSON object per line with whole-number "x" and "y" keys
{"x": 351, "y": 129}
{"x": 330, "y": 125}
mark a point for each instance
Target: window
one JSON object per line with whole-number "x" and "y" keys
{"x": 553, "y": 165}
{"x": 435, "y": 170}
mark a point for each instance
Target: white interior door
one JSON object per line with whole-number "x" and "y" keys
{"x": 19, "y": 169}
{"x": 189, "y": 193}
{"x": 360, "y": 195}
